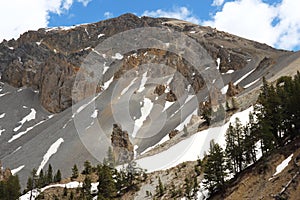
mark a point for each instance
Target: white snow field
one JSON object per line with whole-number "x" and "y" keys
{"x": 15, "y": 171}
{"x": 36, "y": 192}
{"x": 70, "y": 185}
{"x": 145, "y": 111}
{"x": 51, "y": 151}
{"x": 191, "y": 148}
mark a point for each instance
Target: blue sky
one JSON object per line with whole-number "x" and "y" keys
{"x": 274, "y": 22}
{"x": 96, "y": 10}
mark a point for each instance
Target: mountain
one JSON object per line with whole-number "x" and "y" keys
{"x": 65, "y": 90}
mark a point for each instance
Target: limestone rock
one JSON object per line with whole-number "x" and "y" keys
{"x": 233, "y": 89}
{"x": 122, "y": 147}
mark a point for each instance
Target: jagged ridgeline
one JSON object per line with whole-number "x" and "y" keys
{"x": 42, "y": 123}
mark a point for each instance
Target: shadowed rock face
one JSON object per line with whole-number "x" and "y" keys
{"x": 122, "y": 147}
{"x": 48, "y": 59}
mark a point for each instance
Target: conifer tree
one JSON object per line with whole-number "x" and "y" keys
{"x": 57, "y": 176}
{"x": 106, "y": 187}
{"x": 74, "y": 172}
{"x": 214, "y": 169}
{"x": 10, "y": 189}
{"x": 111, "y": 160}
{"x": 87, "y": 167}
{"x": 41, "y": 179}
{"x": 49, "y": 175}
{"x": 86, "y": 187}
{"x": 160, "y": 189}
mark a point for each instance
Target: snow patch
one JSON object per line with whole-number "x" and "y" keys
{"x": 229, "y": 71}
{"x": 283, "y": 165}
{"x": 117, "y": 56}
{"x": 218, "y": 63}
{"x": 252, "y": 83}
{"x": 82, "y": 107}
{"x": 14, "y": 137}
{"x": 16, "y": 149}
{"x": 105, "y": 68}
{"x": 36, "y": 192}
{"x": 163, "y": 140}
{"x": 167, "y": 105}
{"x": 101, "y": 35}
{"x": 27, "y": 118}
{"x": 192, "y": 32}
{"x": 94, "y": 188}
{"x": 224, "y": 89}
{"x": 1, "y": 131}
{"x": 243, "y": 77}
{"x": 15, "y": 171}
{"x": 145, "y": 110}
{"x": 135, "y": 147}
{"x": 95, "y": 114}
{"x": 86, "y": 31}
{"x": 143, "y": 82}
{"x": 51, "y": 151}
{"x": 191, "y": 148}
{"x": 127, "y": 88}
{"x": 1, "y": 95}
{"x": 2, "y": 115}
{"x": 107, "y": 83}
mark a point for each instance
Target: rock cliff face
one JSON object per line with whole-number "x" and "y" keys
{"x": 122, "y": 147}
{"x": 48, "y": 59}
{"x": 233, "y": 89}
{"x": 4, "y": 173}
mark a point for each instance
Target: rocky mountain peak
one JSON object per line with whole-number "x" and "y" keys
{"x": 48, "y": 60}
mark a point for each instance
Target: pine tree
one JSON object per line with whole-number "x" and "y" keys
{"x": 86, "y": 186}
{"x": 57, "y": 176}
{"x": 65, "y": 191}
{"x": 111, "y": 160}
{"x": 29, "y": 184}
{"x": 41, "y": 179}
{"x": 107, "y": 186}
{"x": 160, "y": 189}
{"x": 250, "y": 141}
{"x": 235, "y": 138}
{"x": 74, "y": 172}
{"x": 71, "y": 196}
{"x": 49, "y": 176}
{"x": 10, "y": 189}
{"x": 214, "y": 169}
{"x": 230, "y": 150}
{"x": 87, "y": 167}
{"x": 188, "y": 187}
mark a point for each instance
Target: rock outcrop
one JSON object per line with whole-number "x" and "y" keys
{"x": 122, "y": 147}
{"x": 4, "y": 173}
{"x": 233, "y": 89}
{"x": 48, "y": 59}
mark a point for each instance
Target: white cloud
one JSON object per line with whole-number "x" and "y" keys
{"x": 254, "y": 19}
{"x": 108, "y": 15}
{"x": 217, "y": 2}
{"x": 19, "y": 16}
{"x": 84, "y": 2}
{"x": 182, "y": 13}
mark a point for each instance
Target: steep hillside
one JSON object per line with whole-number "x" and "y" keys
{"x": 273, "y": 177}
{"x": 65, "y": 90}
